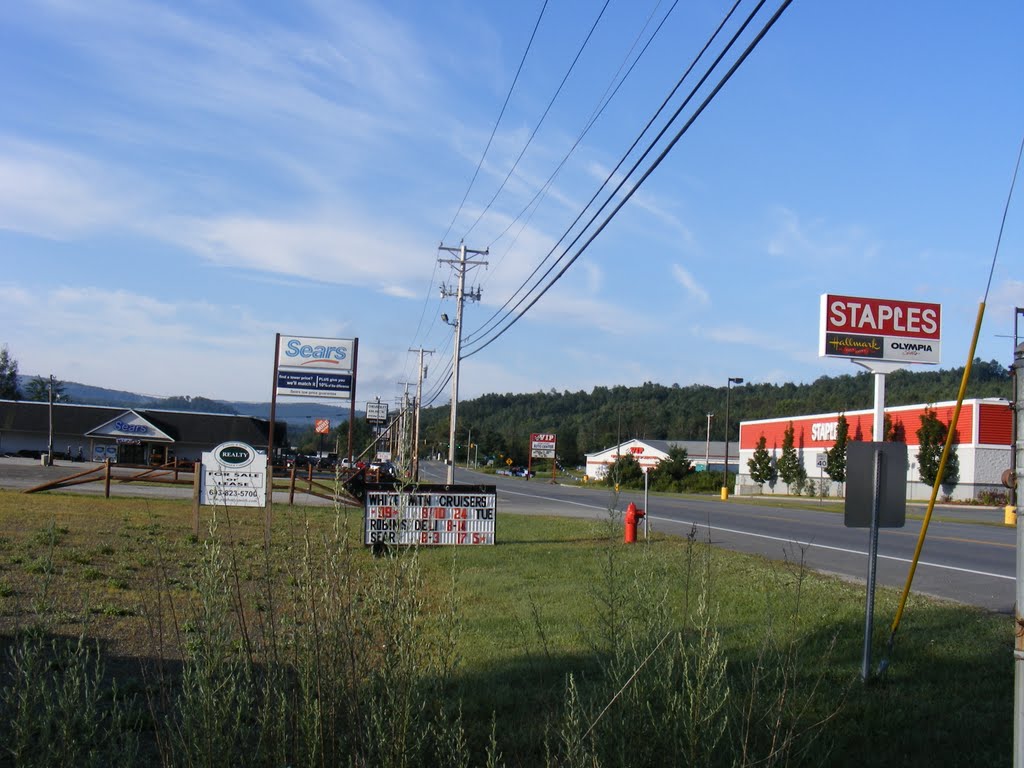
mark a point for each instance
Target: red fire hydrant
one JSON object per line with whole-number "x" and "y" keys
{"x": 633, "y": 516}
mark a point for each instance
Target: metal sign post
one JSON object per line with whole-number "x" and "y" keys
{"x": 875, "y": 498}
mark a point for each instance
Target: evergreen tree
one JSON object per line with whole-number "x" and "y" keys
{"x": 8, "y": 376}
{"x": 836, "y": 455}
{"x": 789, "y": 466}
{"x": 932, "y": 439}
{"x": 38, "y": 390}
{"x": 625, "y": 472}
{"x": 760, "y": 464}
{"x": 671, "y": 472}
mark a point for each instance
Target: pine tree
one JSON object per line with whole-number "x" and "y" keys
{"x": 932, "y": 439}
{"x": 789, "y": 463}
{"x": 760, "y": 464}
{"x": 836, "y": 461}
{"x": 8, "y": 376}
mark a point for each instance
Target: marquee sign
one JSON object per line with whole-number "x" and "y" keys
{"x": 233, "y": 475}
{"x": 542, "y": 446}
{"x": 376, "y": 412}
{"x": 880, "y": 329}
{"x": 310, "y": 366}
{"x": 429, "y": 515}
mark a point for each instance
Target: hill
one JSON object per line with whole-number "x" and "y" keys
{"x": 298, "y": 415}
{"x": 588, "y": 422}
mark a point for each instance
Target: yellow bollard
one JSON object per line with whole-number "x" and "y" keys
{"x": 1010, "y": 515}
{"x": 725, "y": 493}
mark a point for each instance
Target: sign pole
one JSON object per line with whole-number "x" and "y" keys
{"x": 869, "y": 612}
{"x": 268, "y": 513}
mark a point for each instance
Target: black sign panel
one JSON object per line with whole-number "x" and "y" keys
{"x": 860, "y": 483}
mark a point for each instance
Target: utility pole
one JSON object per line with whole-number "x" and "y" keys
{"x": 461, "y": 266}
{"x": 416, "y": 420}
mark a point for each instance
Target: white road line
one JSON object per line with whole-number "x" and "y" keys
{"x": 831, "y": 548}
{"x": 778, "y": 538}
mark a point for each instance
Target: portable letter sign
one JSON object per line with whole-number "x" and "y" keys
{"x": 428, "y": 515}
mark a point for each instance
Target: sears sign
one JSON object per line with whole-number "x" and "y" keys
{"x": 880, "y": 329}
{"x": 310, "y": 366}
{"x": 310, "y": 353}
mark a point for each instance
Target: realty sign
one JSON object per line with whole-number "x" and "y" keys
{"x": 233, "y": 475}
{"x": 880, "y": 329}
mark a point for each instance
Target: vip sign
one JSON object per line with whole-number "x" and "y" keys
{"x": 880, "y": 329}
{"x": 234, "y": 475}
{"x": 542, "y": 446}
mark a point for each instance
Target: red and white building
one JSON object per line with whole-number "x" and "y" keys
{"x": 982, "y": 443}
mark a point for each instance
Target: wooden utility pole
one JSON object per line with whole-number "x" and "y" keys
{"x": 461, "y": 266}
{"x": 416, "y": 419}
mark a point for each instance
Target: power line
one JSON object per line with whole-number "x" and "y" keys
{"x": 541, "y": 121}
{"x": 629, "y": 194}
{"x": 494, "y": 320}
{"x": 497, "y": 122}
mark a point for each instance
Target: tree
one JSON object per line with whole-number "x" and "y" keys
{"x": 835, "y": 466}
{"x": 932, "y": 439}
{"x": 788, "y": 465}
{"x": 625, "y": 472}
{"x": 38, "y": 390}
{"x": 760, "y": 464}
{"x": 671, "y": 472}
{"x": 8, "y": 376}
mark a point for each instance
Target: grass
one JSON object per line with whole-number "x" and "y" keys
{"x": 533, "y": 637}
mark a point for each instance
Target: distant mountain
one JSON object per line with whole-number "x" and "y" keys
{"x": 297, "y": 415}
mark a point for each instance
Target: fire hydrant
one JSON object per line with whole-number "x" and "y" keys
{"x": 633, "y": 516}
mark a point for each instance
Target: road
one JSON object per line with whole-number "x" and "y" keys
{"x": 971, "y": 560}
{"x": 969, "y": 556}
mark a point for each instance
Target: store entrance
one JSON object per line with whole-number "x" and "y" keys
{"x": 131, "y": 454}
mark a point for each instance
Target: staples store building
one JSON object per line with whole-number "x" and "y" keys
{"x": 982, "y": 443}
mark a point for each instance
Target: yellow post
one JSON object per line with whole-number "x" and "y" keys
{"x": 1010, "y": 515}
{"x": 725, "y": 493}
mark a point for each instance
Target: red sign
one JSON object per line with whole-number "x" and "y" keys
{"x": 322, "y": 426}
{"x": 542, "y": 445}
{"x": 882, "y": 329}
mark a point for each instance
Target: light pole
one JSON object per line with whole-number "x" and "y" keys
{"x": 469, "y": 444}
{"x": 49, "y": 443}
{"x": 707, "y": 446}
{"x": 728, "y": 388}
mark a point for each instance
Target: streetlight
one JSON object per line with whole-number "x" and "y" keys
{"x": 728, "y": 387}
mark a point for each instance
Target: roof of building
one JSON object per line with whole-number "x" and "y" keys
{"x": 195, "y": 427}
{"x": 694, "y": 448}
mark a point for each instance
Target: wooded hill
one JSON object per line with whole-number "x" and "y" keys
{"x": 587, "y": 422}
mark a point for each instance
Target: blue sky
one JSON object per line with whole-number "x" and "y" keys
{"x": 180, "y": 181}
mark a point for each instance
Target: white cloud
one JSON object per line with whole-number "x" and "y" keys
{"x": 323, "y": 248}
{"x": 55, "y": 194}
{"x": 693, "y": 288}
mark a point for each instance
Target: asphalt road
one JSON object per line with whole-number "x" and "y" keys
{"x": 968, "y": 556}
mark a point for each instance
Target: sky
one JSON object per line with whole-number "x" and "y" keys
{"x": 179, "y": 182}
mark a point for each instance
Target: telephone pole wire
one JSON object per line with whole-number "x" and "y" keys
{"x": 461, "y": 265}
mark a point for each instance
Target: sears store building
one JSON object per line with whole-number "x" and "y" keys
{"x": 140, "y": 436}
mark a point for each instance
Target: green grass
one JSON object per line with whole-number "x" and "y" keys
{"x": 555, "y": 597}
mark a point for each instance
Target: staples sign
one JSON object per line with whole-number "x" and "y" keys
{"x": 880, "y": 329}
